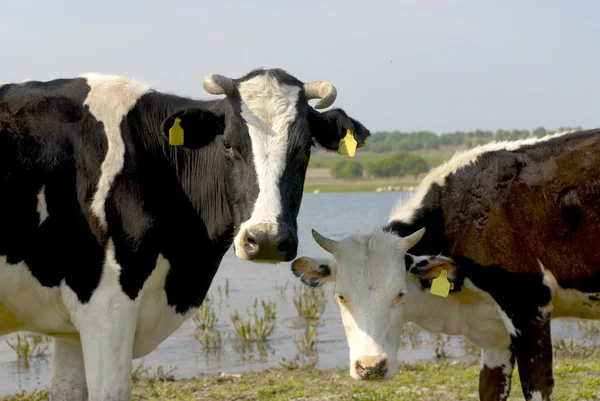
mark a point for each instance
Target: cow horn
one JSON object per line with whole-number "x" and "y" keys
{"x": 320, "y": 90}
{"x": 414, "y": 238}
{"x": 218, "y": 84}
{"x": 328, "y": 244}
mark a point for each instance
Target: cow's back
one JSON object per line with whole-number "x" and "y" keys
{"x": 539, "y": 202}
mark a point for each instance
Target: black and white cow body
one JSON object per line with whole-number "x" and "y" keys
{"x": 512, "y": 225}
{"x": 110, "y": 236}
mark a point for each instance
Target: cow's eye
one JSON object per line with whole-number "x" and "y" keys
{"x": 399, "y": 297}
{"x": 226, "y": 145}
{"x": 341, "y": 298}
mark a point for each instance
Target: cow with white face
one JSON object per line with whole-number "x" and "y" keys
{"x": 371, "y": 289}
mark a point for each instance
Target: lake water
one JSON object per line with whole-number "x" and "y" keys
{"x": 332, "y": 214}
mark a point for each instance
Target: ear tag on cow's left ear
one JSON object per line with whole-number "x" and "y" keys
{"x": 176, "y": 133}
{"x": 440, "y": 285}
{"x": 348, "y": 145}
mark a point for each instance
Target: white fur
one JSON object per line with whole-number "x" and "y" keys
{"x": 109, "y": 100}
{"x": 156, "y": 320}
{"x": 26, "y": 305}
{"x": 106, "y": 325}
{"x": 268, "y": 108}
{"x": 69, "y": 371}
{"x": 499, "y": 358}
{"x": 537, "y": 396}
{"x": 405, "y": 210}
{"x": 42, "y": 207}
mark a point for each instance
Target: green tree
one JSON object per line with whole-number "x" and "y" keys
{"x": 397, "y": 165}
{"x": 347, "y": 169}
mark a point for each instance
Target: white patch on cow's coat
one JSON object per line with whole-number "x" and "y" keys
{"x": 550, "y": 282}
{"x": 109, "y": 100}
{"x": 406, "y": 209}
{"x": 68, "y": 381}
{"x": 499, "y": 358}
{"x": 26, "y": 305}
{"x": 42, "y": 207}
{"x": 156, "y": 320}
{"x": 470, "y": 312}
{"x": 268, "y": 107}
{"x": 536, "y": 396}
{"x": 508, "y": 322}
{"x": 106, "y": 324}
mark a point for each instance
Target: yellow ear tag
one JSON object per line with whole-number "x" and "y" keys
{"x": 348, "y": 145}
{"x": 176, "y": 133}
{"x": 440, "y": 285}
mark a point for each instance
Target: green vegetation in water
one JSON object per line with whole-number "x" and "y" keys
{"x": 206, "y": 317}
{"x": 255, "y": 327}
{"x": 306, "y": 355}
{"x": 309, "y": 301}
{"x": 29, "y": 345}
{"x": 575, "y": 371}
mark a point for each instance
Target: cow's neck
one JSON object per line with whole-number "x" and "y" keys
{"x": 199, "y": 173}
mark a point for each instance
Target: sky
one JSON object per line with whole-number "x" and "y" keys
{"x": 408, "y": 65}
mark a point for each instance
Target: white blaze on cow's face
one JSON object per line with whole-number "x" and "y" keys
{"x": 267, "y": 141}
{"x": 371, "y": 288}
{"x": 268, "y": 108}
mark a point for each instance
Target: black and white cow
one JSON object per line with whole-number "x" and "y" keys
{"x": 110, "y": 237}
{"x": 514, "y": 225}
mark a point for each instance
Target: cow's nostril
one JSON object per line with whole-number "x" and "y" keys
{"x": 285, "y": 245}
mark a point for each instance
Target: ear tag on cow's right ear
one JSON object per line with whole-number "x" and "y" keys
{"x": 348, "y": 145}
{"x": 176, "y": 133}
{"x": 440, "y": 285}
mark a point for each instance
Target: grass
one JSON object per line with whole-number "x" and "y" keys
{"x": 577, "y": 375}
{"x": 363, "y": 185}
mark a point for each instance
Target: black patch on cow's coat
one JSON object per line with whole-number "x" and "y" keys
{"x": 46, "y": 133}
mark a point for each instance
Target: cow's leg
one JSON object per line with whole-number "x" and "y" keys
{"x": 529, "y": 328}
{"x": 107, "y": 336}
{"x": 68, "y": 377}
{"x": 106, "y": 325}
{"x": 495, "y": 376}
{"x": 533, "y": 349}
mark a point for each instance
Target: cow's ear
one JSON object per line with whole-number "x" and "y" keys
{"x": 428, "y": 267}
{"x": 330, "y": 127}
{"x": 192, "y": 128}
{"x": 313, "y": 272}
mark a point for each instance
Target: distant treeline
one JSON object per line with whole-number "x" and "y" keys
{"x": 398, "y": 164}
{"x": 381, "y": 142}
